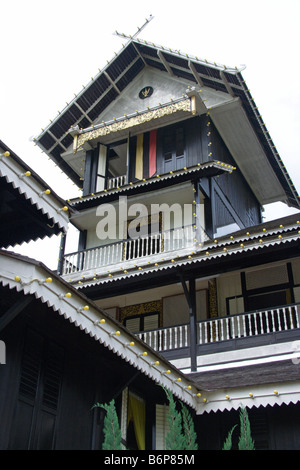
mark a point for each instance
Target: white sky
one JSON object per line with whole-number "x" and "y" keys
{"x": 48, "y": 50}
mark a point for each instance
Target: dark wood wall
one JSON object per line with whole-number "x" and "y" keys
{"x": 230, "y": 198}
{"x": 231, "y": 189}
{"x": 53, "y": 375}
{"x": 185, "y": 144}
{"x": 272, "y": 428}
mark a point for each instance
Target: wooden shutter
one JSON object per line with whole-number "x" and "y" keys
{"x": 38, "y": 394}
{"x": 161, "y": 426}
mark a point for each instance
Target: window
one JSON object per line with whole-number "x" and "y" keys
{"x": 173, "y": 149}
{"x": 145, "y": 322}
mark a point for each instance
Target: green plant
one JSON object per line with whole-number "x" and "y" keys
{"x": 245, "y": 440}
{"x": 228, "y": 442}
{"x": 190, "y": 436}
{"x": 111, "y": 429}
{"x": 181, "y": 434}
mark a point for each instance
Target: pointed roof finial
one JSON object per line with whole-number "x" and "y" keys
{"x": 147, "y": 21}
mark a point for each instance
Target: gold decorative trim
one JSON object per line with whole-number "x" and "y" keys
{"x": 193, "y": 105}
{"x": 184, "y": 105}
{"x": 140, "y": 309}
{"x": 213, "y": 304}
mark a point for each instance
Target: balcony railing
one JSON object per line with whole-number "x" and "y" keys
{"x": 116, "y": 182}
{"x": 127, "y": 250}
{"x": 219, "y": 329}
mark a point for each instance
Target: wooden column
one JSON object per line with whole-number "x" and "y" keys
{"x": 198, "y": 222}
{"x": 193, "y": 330}
{"x": 61, "y": 253}
{"x": 190, "y": 295}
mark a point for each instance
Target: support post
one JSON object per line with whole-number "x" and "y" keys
{"x": 190, "y": 295}
{"x": 61, "y": 253}
{"x": 197, "y": 212}
{"x": 193, "y": 330}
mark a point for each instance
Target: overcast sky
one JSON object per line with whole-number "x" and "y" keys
{"x": 49, "y": 50}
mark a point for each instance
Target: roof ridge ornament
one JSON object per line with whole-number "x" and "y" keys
{"x": 122, "y": 35}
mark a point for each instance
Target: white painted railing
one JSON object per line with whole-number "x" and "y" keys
{"x": 116, "y": 182}
{"x": 126, "y": 250}
{"x": 164, "y": 339}
{"x": 225, "y": 328}
{"x": 249, "y": 324}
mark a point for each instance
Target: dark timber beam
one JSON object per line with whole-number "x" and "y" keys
{"x": 61, "y": 254}
{"x": 14, "y": 311}
{"x": 190, "y": 295}
{"x": 197, "y": 212}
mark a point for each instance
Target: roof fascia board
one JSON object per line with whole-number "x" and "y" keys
{"x": 212, "y": 252}
{"x": 226, "y": 128}
{"x": 33, "y": 191}
{"x": 253, "y": 396}
{"x": 77, "y": 96}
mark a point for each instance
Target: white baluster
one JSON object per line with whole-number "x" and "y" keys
{"x": 278, "y": 317}
{"x": 211, "y": 332}
{"x": 200, "y": 332}
{"x": 273, "y": 321}
{"x": 262, "y": 331}
{"x": 171, "y": 331}
{"x": 254, "y": 316}
{"x": 291, "y": 317}
{"x": 218, "y": 325}
{"x": 185, "y": 336}
{"x": 75, "y": 263}
{"x": 297, "y": 316}
{"x": 160, "y": 340}
{"x": 266, "y": 315}
{"x": 180, "y": 336}
{"x": 250, "y": 325}
{"x": 155, "y": 340}
{"x": 233, "y": 327}
{"x": 238, "y": 320}
{"x": 284, "y": 312}
{"x": 165, "y": 340}
{"x": 205, "y": 332}
{"x": 223, "y": 324}
{"x": 175, "y": 338}
{"x": 228, "y": 321}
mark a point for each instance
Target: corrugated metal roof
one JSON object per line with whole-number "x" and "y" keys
{"x": 30, "y": 209}
{"x": 122, "y": 70}
{"x": 251, "y": 242}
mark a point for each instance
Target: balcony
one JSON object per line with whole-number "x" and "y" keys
{"x": 100, "y": 259}
{"x": 116, "y": 182}
{"x": 261, "y": 328}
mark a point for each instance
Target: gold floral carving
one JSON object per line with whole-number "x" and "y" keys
{"x": 140, "y": 309}
{"x": 213, "y": 304}
{"x": 184, "y": 105}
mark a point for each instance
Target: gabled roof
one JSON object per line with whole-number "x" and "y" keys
{"x": 123, "y": 69}
{"x": 29, "y": 208}
{"x": 33, "y": 278}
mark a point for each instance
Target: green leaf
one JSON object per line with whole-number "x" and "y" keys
{"x": 228, "y": 442}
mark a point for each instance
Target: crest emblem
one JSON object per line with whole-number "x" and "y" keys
{"x": 145, "y": 92}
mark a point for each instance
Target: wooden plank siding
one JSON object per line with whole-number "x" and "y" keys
{"x": 232, "y": 189}
{"x": 52, "y": 377}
